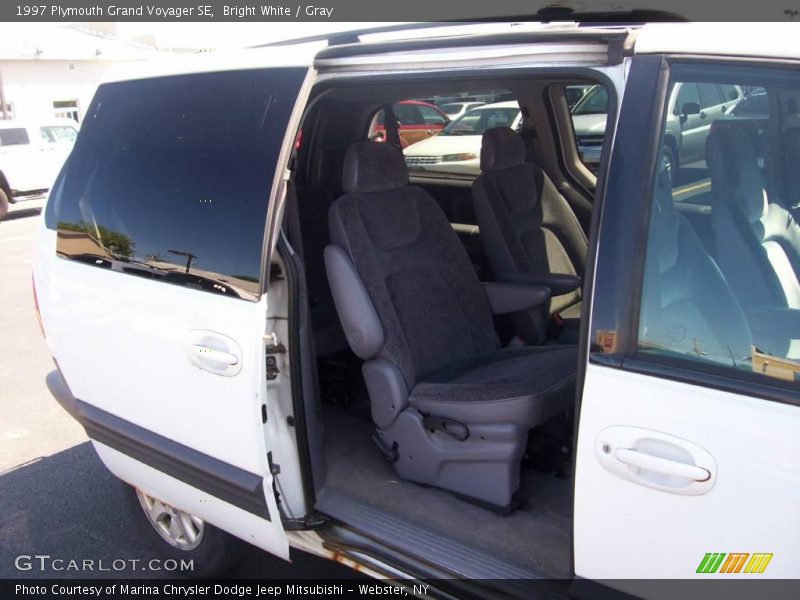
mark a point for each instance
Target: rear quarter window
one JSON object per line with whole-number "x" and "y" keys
{"x": 170, "y": 178}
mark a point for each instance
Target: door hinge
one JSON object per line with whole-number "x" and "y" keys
{"x": 273, "y": 344}
{"x": 273, "y": 347}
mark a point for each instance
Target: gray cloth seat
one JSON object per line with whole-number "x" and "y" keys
{"x": 527, "y": 227}
{"x": 451, "y": 408}
{"x": 757, "y": 239}
{"x": 502, "y": 381}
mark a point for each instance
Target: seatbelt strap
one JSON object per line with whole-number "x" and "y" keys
{"x": 391, "y": 124}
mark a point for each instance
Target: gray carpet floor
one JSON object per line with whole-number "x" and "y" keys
{"x": 535, "y": 537}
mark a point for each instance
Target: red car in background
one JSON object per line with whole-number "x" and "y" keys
{"x": 418, "y": 121}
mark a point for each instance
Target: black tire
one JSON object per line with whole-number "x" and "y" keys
{"x": 670, "y": 164}
{"x": 3, "y": 204}
{"x": 217, "y": 552}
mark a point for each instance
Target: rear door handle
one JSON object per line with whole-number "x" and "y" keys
{"x": 649, "y": 462}
{"x": 214, "y": 352}
{"x": 656, "y": 460}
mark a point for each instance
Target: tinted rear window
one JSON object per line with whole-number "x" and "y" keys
{"x": 170, "y": 178}
{"x": 14, "y": 137}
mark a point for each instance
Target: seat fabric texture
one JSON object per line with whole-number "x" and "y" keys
{"x": 512, "y": 383}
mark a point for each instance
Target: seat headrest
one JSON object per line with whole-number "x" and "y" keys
{"x": 501, "y": 148}
{"x": 733, "y": 166}
{"x": 373, "y": 167}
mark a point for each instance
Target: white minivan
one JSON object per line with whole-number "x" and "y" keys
{"x": 538, "y": 381}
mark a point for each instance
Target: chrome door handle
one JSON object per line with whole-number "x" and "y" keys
{"x": 649, "y": 462}
{"x": 209, "y": 354}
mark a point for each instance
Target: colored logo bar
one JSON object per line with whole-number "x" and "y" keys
{"x": 734, "y": 562}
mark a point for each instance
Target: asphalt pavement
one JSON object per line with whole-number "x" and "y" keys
{"x": 56, "y": 497}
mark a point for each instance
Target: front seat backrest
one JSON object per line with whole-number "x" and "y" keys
{"x": 427, "y": 297}
{"x": 757, "y": 241}
{"x": 687, "y": 306}
{"x": 526, "y": 225}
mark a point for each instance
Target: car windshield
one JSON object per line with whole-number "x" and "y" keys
{"x": 478, "y": 120}
{"x": 595, "y": 102}
{"x": 451, "y": 109}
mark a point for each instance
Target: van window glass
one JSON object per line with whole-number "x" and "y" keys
{"x": 14, "y": 136}
{"x": 426, "y": 131}
{"x": 729, "y": 92}
{"x": 709, "y": 95}
{"x": 477, "y": 121}
{"x": 430, "y": 116}
{"x": 170, "y": 178}
{"x": 589, "y": 114}
{"x": 687, "y": 93}
{"x": 722, "y": 270}
{"x": 409, "y": 114}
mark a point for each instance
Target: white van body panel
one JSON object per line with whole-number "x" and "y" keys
{"x": 140, "y": 329}
{"x": 767, "y": 40}
{"x": 235, "y": 521}
{"x": 627, "y": 530}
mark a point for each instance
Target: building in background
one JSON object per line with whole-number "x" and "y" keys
{"x": 50, "y": 70}
{"x": 53, "y": 72}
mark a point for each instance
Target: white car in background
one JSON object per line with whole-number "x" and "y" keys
{"x": 31, "y": 155}
{"x": 456, "y": 109}
{"x": 457, "y": 149}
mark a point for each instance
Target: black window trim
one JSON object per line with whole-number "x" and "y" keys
{"x": 628, "y": 293}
